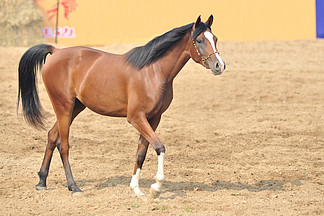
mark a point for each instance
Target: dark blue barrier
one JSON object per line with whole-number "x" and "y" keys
{"x": 320, "y": 18}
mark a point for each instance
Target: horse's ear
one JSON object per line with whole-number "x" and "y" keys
{"x": 197, "y": 22}
{"x": 209, "y": 22}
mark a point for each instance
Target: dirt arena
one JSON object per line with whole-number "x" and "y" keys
{"x": 249, "y": 142}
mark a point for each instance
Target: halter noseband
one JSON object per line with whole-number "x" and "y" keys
{"x": 203, "y": 60}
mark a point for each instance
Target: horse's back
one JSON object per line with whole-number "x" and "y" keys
{"x": 67, "y": 60}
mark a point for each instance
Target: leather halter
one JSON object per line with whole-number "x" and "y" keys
{"x": 202, "y": 59}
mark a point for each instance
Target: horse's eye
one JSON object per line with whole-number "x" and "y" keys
{"x": 199, "y": 40}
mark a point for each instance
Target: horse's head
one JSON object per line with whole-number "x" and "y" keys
{"x": 203, "y": 48}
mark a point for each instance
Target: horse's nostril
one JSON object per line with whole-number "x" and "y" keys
{"x": 217, "y": 65}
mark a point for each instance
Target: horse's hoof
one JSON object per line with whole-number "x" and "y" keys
{"x": 154, "y": 193}
{"x": 77, "y": 191}
{"x": 137, "y": 191}
{"x": 40, "y": 187}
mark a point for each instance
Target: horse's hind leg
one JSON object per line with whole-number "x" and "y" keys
{"x": 54, "y": 140}
{"x": 78, "y": 107}
{"x": 65, "y": 118}
{"x": 53, "y": 137}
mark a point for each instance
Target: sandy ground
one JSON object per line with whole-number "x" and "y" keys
{"x": 249, "y": 142}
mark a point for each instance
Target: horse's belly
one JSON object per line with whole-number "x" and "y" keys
{"x": 105, "y": 107}
{"x": 107, "y": 112}
{"x": 105, "y": 100}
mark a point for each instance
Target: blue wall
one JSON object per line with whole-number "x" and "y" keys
{"x": 320, "y": 18}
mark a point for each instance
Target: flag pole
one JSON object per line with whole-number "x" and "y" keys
{"x": 57, "y": 17}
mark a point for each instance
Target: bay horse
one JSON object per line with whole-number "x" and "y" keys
{"x": 136, "y": 85}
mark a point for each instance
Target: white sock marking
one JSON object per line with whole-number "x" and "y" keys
{"x": 135, "y": 183}
{"x": 160, "y": 173}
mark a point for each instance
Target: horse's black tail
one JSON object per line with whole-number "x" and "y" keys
{"x": 32, "y": 60}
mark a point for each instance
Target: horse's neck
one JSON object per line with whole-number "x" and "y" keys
{"x": 174, "y": 61}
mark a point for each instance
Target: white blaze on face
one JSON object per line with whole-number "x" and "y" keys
{"x": 210, "y": 38}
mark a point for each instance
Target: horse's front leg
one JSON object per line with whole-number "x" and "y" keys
{"x": 147, "y": 128}
{"x": 140, "y": 157}
{"x": 159, "y": 178}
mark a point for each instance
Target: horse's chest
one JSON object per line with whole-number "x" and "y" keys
{"x": 160, "y": 102}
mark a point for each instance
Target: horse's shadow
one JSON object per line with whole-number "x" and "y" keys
{"x": 179, "y": 188}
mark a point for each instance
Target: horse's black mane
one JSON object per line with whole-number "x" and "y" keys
{"x": 156, "y": 48}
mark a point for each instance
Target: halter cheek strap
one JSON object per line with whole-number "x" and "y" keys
{"x": 202, "y": 59}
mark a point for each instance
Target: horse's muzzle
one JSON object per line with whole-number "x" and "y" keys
{"x": 219, "y": 68}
